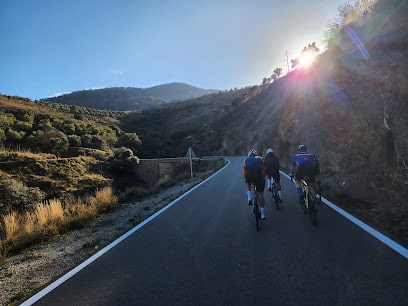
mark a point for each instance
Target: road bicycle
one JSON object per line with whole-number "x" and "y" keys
{"x": 255, "y": 209}
{"x": 309, "y": 203}
{"x": 275, "y": 196}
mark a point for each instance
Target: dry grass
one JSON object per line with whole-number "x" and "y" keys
{"x": 56, "y": 211}
{"x": 81, "y": 212}
{"x": 29, "y": 223}
{"x": 104, "y": 200}
{"x": 50, "y": 219}
{"x": 12, "y": 226}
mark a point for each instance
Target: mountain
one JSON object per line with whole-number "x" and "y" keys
{"x": 130, "y": 98}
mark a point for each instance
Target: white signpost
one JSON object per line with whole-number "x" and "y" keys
{"x": 190, "y": 154}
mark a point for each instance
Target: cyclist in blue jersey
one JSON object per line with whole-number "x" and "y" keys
{"x": 254, "y": 173}
{"x": 304, "y": 165}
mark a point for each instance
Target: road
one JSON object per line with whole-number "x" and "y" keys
{"x": 205, "y": 250}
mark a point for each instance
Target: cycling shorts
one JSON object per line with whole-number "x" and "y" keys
{"x": 254, "y": 177}
{"x": 306, "y": 171}
{"x": 274, "y": 174}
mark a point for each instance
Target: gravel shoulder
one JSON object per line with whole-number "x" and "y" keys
{"x": 26, "y": 272}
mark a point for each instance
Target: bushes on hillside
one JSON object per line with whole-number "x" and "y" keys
{"x": 16, "y": 196}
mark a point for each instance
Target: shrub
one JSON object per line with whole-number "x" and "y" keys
{"x": 16, "y": 196}
{"x": 14, "y": 136}
{"x": 23, "y": 126}
{"x": 123, "y": 160}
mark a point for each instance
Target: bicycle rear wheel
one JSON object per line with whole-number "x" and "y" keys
{"x": 304, "y": 206}
{"x": 312, "y": 210}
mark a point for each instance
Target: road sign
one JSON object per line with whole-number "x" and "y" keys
{"x": 190, "y": 155}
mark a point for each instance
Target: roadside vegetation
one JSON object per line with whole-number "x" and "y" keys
{"x": 46, "y": 220}
{"x": 32, "y": 220}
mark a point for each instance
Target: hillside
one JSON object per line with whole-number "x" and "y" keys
{"x": 168, "y": 131}
{"x": 48, "y": 151}
{"x": 130, "y": 98}
{"x": 350, "y": 109}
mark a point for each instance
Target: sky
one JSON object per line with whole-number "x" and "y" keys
{"x": 52, "y": 47}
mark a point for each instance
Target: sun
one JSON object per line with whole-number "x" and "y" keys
{"x": 306, "y": 59}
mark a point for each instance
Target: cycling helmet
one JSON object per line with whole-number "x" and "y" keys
{"x": 252, "y": 152}
{"x": 302, "y": 148}
{"x": 270, "y": 150}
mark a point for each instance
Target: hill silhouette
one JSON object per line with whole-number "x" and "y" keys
{"x": 131, "y": 98}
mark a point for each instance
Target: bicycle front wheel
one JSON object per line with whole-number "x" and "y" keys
{"x": 257, "y": 214}
{"x": 275, "y": 196}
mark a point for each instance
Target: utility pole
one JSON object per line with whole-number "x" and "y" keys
{"x": 287, "y": 60}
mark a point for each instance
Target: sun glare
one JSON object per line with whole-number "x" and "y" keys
{"x": 306, "y": 59}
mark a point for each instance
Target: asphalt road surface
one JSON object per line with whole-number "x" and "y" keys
{"x": 205, "y": 250}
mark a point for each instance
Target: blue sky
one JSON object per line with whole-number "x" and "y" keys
{"x": 49, "y": 47}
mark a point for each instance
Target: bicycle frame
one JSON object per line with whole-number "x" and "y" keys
{"x": 305, "y": 189}
{"x": 275, "y": 194}
{"x": 309, "y": 195}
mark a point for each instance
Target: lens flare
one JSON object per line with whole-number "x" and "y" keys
{"x": 306, "y": 59}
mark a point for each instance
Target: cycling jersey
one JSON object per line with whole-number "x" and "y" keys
{"x": 306, "y": 165}
{"x": 254, "y": 171}
{"x": 302, "y": 157}
{"x": 272, "y": 166}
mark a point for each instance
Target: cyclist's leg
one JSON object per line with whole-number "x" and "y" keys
{"x": 311, "y": 178}
{"x": 260, "y": 186}
{"x": 296, "y": 180}
{"x": 268, "y": 181}
{"x": 312, "y": 187}
{"x": 249, "y": 195}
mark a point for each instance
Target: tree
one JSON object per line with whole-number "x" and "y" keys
{"x": 59, "y": 144}
{"x": 7, "y": 120}
{"x": 312, "y": 48}
{"x": 14, "y": 136}
{"x": 123, "y": 160}
{"x": 294, "y": 63}
{"x": 129, "y": 140}
{"x": 277, "y": 72}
